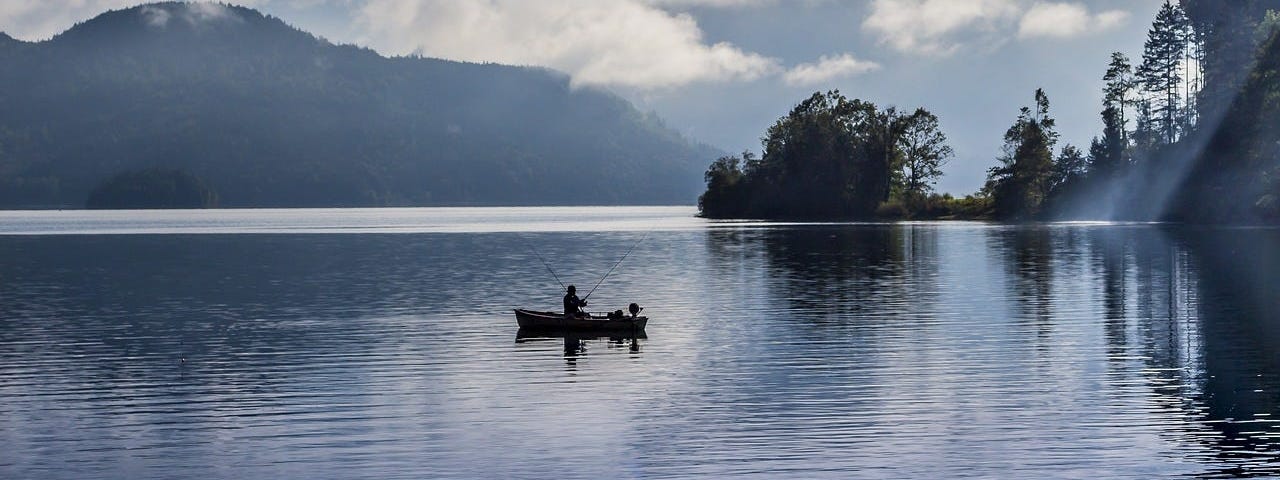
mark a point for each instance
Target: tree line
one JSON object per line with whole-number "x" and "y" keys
{"x": 1183, "y": 130}
{"x": 832, "y": 157}
{"x": 1190, "y": 132}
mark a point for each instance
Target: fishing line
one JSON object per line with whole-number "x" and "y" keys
{"x": 624, "y": 257}
{"x": 545, "y": 264}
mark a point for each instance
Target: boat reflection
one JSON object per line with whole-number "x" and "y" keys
{"x": 574, "y": 339}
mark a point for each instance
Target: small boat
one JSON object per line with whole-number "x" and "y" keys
{"x": 532, "y": 319}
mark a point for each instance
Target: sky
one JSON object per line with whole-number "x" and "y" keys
{"x": 722, "y": 71}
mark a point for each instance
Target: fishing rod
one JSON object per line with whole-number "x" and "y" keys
{"x": 545, "y": 264}
{"x": 606, "y": 274}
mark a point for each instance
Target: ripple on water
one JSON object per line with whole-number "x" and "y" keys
{"x": 801, "y": 351}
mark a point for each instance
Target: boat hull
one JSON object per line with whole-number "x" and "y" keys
{"x": 532, "y": 319}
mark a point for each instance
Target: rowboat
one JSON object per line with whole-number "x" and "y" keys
{"x": 533, "y": 319}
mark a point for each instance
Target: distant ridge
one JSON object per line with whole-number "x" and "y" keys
{"x": 268, "y": 115}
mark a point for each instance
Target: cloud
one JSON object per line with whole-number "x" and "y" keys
{"x": 155, "y": 16}
{"x": 826, "y": 69}
{"x": 929, "y": 26}
{"x": 192, "y": 13}
{"x": 710, "y": 3}
{"x": 941, "y": 27}
{"x": 1065, "y": 20}
{"x": 41, "y": 19}
{"x": 627, "y": 43}
{"x": 1111, "y": 19}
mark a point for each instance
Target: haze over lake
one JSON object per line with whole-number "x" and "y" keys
{"x": 380, "y": 343}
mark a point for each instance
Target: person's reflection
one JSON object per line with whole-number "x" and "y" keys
{"x": 573, "y": 347}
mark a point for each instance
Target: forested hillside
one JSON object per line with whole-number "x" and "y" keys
{"x": 267, "y": 115}
{"x": 1235, "y": 176}
{"x": 1189, "y": 131}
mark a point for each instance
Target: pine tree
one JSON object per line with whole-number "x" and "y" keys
{"x": 1108, "y": 155}
{"x": 1225, "y": 42}
{"x": 1161, "y": 71}
{"x": 1146, "y": 133}
{"x": 1118, "y": 92}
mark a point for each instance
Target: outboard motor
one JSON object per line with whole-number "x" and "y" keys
{"x": 634, "y": 309}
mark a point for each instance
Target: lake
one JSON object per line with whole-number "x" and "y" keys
{"x": 380, "y": 343}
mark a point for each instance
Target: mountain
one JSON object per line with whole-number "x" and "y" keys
{"x": 267, "y": 115}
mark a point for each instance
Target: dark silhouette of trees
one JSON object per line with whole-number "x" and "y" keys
{"x": 1020, "y": 185}
{"x": 1070, "y": 167}
{"x": 152, "y": 188}
{"x": 1226, "y": 38}
{"x": 1161, "y": 71}
{"x": 1205, "y": 104}
{"x": 924, "y": 152}
{"x": 1108, "y": 155}
{"x": 829, "y": 157}
{"x": 725, "y": 195}
{"x": 1118, "y": 94}
{"x": 812, "y": 159}
{"x": 1236, "y": 176}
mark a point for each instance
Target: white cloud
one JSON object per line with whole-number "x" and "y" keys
{"x": 940, "y": 27}
{"x": 710, "y": 3}
{"x": 826, "y": 69}
{"x": 1065, "y": 20}
{"x": 930, "y": 26}
{"x": 1111, "y": 19}
{"x": 608, "y": 42}
{"x": 156, "y": 17}
{"x": 193, "y": 13}
{"x": 34, "y": 20}
{"x": 41, "y": 19}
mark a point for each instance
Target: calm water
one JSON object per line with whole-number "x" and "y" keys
{"x": 381, "y": 344}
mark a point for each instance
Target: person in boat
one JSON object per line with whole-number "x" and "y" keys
{"x": 572, "y": 304}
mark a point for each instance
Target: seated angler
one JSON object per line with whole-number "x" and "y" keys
{"x": 572, "y": 304}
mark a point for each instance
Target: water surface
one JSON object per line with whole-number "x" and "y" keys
{"x": 380, "y": 344}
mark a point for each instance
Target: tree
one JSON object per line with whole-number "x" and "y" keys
{"x": 1226, "y": 41}
{"x": 723, "y": 195}
{"x": 811, "y": 157}
{"x": 924, "y": 151}
{"x": 1020, "y": 185}
{"x": 1118, "y": 92}
{"x": 152, "y": 188}
{"x": 829, "y": 157}
{"x": 1068, "y": 169}
{"x": 1161, "y": 71}
{"x": 1146, "y": 134}
{"x": 881, "y": 133}
{"x": 1108, "y": 155}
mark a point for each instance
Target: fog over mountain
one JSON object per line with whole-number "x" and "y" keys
{"x": 268, "y": 115}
